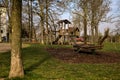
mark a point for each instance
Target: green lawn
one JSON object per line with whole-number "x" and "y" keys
{"x": 112, "y": 47}
{"x": 39, "y": 65}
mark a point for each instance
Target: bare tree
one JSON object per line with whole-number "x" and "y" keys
{"x": 92, "y": 12}
{"x": 48, "y": 10}
{"x": 98, "y": 11}
{"x": 41, "y": 5}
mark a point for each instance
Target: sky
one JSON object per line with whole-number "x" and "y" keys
{"x": 102, "y": 26}
{"x": 113, "y": 12}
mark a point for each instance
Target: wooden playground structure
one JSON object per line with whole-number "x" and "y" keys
{"x": 71, "y": 35}
{"x": 65, "y": 32}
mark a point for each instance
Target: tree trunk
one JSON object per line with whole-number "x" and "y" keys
{"x": 30, "y": 19}
{"x": 42, "y": 26}
{"x": 42, "y": 30}
{"x": 0, "y": 27}
{"x": 47, "y": 37}
{"x": 42, "y": 20}
{"x": 96, "y": 33}
{"x": 85, "y": 28}
{"x": 102, "y": 39}
{"x": 92, "y": 26}
{"x": 16, "y": 69}
{"x": 92, "y": 34}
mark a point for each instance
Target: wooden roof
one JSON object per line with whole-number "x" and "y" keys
{"x": 64, "y": 21}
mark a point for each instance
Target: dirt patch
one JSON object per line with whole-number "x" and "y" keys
{"x": 2, "y": 79}
{"x": 68, "y": 55}
{"x": 4, "y": 47}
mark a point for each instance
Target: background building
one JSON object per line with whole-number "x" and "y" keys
{"x": 3, "y": 24}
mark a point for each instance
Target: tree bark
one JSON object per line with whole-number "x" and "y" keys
{"x": 96, "y": 33}
{"x": 47, "y": 37}
{"x": 102, "y": 39}
{"x": 85, "y": 28}
{"x": 16, "y": 68}
{"x": 30, "y": 19}
{"x": 42, "y": 20}
{"x": 0, "y": 28}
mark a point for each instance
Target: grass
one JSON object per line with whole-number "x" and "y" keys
{"x": 39, "y": 65}
{"x": 111, "y": 47}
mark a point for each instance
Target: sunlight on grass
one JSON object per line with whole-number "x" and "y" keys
{"x": 39, "y": 65}
{"x": 59, "y": 46}
{"x": 112, "y": 47}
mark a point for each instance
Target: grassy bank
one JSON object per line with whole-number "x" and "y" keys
{"x": 39, "y": 65}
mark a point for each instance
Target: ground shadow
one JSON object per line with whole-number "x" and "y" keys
{"x": 35, "y": 65}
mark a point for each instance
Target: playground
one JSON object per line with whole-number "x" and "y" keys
{"x": 59, "y": 40}
{"x": 69, "y": 56}
{"x": 61, "y": 62}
